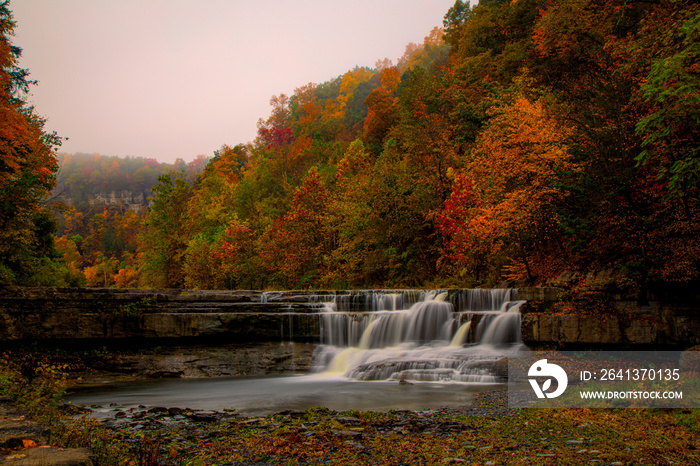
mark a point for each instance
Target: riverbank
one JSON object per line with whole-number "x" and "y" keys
{"x": 488, "y": 433}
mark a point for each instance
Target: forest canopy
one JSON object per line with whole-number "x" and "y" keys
{"x": 520, "y": 141}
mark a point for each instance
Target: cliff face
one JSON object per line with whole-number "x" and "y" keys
{"x": 594, "y": 318}
{"x": 30, "y": 314}
{"x": 132, "y": 200}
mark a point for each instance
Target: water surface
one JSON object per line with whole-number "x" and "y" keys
{"x": 258, "y": 396}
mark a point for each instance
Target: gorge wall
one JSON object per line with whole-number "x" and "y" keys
{"x": 99, "y": 316}
{"x": 132, "y": 200}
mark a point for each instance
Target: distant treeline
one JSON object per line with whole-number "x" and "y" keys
{"x": 99, "y": 240}
{"x": 81, "y": 175}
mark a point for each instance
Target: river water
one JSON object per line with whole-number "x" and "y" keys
{"x": 260, "y": 396}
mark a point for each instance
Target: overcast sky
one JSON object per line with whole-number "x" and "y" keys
{"x": 178, "y": 78}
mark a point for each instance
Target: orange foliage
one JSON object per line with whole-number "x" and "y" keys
{"x": 504, "y": 202}
{"x": 127, "y": 278}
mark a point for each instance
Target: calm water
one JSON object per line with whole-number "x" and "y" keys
{"x": 267, "y": 395}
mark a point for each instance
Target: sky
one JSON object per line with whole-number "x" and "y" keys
{"x": 174, "y": 79}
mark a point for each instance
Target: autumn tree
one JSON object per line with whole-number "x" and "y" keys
{"x": 382, "y": 106}
{"x": 294, "y": 248}
{"x": 27, "y": 171}
{"x": 504, "y": 204}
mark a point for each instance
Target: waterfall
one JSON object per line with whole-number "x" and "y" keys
{"x": 461, "y": 334}
{"x": 377, "y": 337}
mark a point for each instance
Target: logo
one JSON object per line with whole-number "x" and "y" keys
{"x": 544, "y": 369}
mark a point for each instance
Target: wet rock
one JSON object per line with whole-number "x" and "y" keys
{"x": 158, "y": 410}
{"x": 18, "y": 431}
{"x": 207, "y": 416}
{"x": 71, "y": 409}
{"x": 249, "y": 422}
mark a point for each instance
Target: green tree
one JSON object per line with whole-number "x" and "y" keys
{"x": 671, "y": 130}
{"x": 164, "y": 238}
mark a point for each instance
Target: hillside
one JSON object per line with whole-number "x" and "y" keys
{"x": 525, "y": 141}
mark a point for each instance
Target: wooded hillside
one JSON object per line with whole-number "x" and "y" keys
{"x": 522, "y": 140}
{"x": 526, "y": 139}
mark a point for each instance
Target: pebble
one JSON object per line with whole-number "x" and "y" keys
{"x": 452, "y": 460}
{"x": 348, "y": 420}
{"x": 346, "y": 434}
{"x": 355, "y": 444}
{"x": 251, "y": 421}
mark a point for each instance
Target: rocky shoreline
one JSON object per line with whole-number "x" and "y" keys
{"x": 190, "y": 428}
{"x": 487, "y": 433}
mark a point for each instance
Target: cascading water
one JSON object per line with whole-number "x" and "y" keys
{"x": 428, "y": 341}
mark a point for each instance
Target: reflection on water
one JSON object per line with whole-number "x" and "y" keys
{"x": 267, "y": 395}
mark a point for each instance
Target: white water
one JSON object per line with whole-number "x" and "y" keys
{"x": 430, "y": 341}
{"x": 461, "y": 335}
